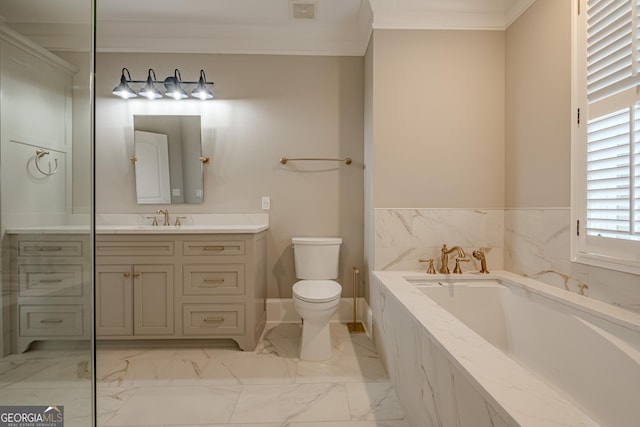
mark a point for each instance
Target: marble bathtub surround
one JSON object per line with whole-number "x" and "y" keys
{"x": 463, "y": 380}
{"x": 268, "y": 387}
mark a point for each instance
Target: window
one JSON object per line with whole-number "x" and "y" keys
{"x": 606, "y": 161}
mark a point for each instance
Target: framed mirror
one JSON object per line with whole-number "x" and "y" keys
{"x": 168, "y": 159}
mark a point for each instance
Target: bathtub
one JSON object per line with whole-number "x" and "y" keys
{"x": 504, "y": 350}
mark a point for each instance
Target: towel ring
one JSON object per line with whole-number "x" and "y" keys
{"x": 41, "y": 153}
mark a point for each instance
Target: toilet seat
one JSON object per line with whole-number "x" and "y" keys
{"x": 316, "y": 291}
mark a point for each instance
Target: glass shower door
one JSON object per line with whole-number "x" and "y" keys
{"x": 46, "y": 217}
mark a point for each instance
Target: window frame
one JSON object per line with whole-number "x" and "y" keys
{"x": 614, "y": 254}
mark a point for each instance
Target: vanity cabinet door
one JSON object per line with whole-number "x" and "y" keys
{"x": 153, "y": 299}
{"x": 114, "y": 300}
{"x": 134, "y": 300}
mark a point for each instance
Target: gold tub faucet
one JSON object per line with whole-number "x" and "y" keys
{"x": 444, "y": 259}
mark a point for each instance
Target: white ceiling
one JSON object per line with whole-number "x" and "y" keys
{"x": 340, "y": 27}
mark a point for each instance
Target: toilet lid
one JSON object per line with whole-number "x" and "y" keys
{"x": 317, "y": 290}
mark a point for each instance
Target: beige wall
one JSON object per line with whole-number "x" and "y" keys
{"x": 538, "y": 107}
{"x": 266, "y": 107}
{"x": 438, "y": 119}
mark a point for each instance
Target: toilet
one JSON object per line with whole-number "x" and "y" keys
{"x": 316, "y": 296}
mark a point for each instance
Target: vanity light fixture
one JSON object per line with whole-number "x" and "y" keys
{"x": 149, "y": 91}
{"x": 201, "y": 91}
{"x": 123, "y": 90}
{"x": 173, "y": 85}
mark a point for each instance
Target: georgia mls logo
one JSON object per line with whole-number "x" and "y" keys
{"x": 32, "y": 416}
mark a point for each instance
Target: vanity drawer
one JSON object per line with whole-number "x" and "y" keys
{"x": 50, "y": 320}
{"x": 213, "y": 279}
{"x": 50, "y": 280}
{"x": 213, "y": 248}
{"x": 42, "y": 248}
{"x": 134, "y": 248}
{"x": 213, "y": 319}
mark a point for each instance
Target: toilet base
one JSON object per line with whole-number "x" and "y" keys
{"x": 316, "y": 342}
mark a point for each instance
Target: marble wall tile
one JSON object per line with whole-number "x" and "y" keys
{"x": 531, "y": 242}
{"x": 537, "y": 245}
{"x": 405, "y": 235}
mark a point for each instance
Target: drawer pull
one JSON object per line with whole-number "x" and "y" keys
{"x": 51, "y": 321}
{"x": 214, "y": 248}
{"x": 219, "y": 280}
{"x": 219, "y": 319}
{"x": 50, "y": 248}
{"x": 50, "y": 281}
{"x": 43, "y": 248}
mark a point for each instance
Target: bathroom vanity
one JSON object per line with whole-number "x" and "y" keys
{"x": 49, "y": 285}
{"x": 185, "y": 282}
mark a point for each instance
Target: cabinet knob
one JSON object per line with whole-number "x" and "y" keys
{"x": 127, "y": 274}
{"x": 136, "y": 274}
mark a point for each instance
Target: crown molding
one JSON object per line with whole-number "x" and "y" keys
{"x": 331, "y": 38}
{"x": 410, "y": 15}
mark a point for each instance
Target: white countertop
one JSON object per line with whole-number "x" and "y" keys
{"x": 181, "y": 229}
{"x": 227, "y": 223}
{"x": 141, "y": 224}
{"x": 50, "y": 229}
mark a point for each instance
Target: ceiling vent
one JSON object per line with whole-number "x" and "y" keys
{"x": 301, "y": 10}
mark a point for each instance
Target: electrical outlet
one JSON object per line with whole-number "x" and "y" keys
{"x": 266, "y": 203}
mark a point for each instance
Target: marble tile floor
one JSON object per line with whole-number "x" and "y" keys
{"x": 270, "y": 387}
{"x": 50, "y": 376}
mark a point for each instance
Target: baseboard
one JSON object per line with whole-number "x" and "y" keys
{"x": 281, "y": 310}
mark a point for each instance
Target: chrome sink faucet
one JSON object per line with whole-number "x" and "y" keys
{"x": 444, "y": 259}
{"x": 165, "y": 212}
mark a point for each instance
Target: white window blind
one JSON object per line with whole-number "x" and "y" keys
{"x": 613, "y": 130}
{"x": 611, "y": 51}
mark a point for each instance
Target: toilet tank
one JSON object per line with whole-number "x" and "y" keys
{"x": 316, "y": 257}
